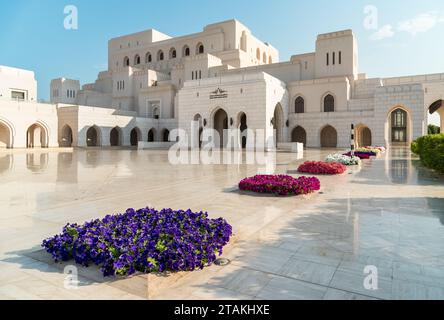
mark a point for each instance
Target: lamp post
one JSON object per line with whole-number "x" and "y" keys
{"x": 352, "y": 140}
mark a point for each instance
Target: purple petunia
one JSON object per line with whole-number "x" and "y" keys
{"x": 145, "y": 240}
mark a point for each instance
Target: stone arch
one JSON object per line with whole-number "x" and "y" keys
{"x": 220, "y": 123}
{"x": 328, "y": 102}
{"x": 37, "y": 136}
{"x": 148, "y": 57}
{"x": 160, "y": 55}
{"x": 243, "y": 127}
{"x": 299, "y": 104}
{"x": 299, "y": 135}
{"x": 165, "y": 135}
{"x": 126, "y": 62}
{"x": 264, "y": 57}
{"x": 6, "y": 135}
{"x": 278, "y": 123}
{"x": 66, "y": 137}
{"x": 438, "y": 107}
{"x": 186, "y": 52}
{"x": 93, "y": 135}
{"x": 329, "y": 137}
{"x": 115, "y": 137}
{"x": 399, "y": 126}
{"x": 136, "y": 60}
{"x": 135, "y": 136}
{"x": 200, "y": 49}
{"x": 173, "y": 53}
{"x": 363, "y": 136}
{"x": 152, "y": 135}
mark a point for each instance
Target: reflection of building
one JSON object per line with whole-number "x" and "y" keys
{"x": 224, "y": 77}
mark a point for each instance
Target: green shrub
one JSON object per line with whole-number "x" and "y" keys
{"x": 432, "y": 129}
{"x": 430, "y": 149}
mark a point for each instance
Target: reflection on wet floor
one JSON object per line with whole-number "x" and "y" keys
{"x": 388, "y": 213}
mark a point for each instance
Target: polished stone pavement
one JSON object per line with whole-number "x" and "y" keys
{"x": 389, "y": 214}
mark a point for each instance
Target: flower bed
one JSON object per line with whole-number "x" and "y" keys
{"x": 282, "y": 185}
{"x": 145, "y": 240}
{"x": 345, "y": 160}
{"x": 319, "y": 167}
{"x": 360, "y": 155}
{"x": 381, "y": 149}
{"x": 371, "y": 152}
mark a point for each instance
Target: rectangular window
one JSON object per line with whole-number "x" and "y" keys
{"x": 340, "y": 57}
{"x": 328, "y": 59}
{"x": 192, "y": 75}
{"x": 200, "y": 74}
{"x": 18, "y": 95}
{"x": 334, "y": 58}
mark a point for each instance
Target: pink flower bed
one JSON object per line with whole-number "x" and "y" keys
{"x": 282, "y": 185}
{"x": 320, "y": 167}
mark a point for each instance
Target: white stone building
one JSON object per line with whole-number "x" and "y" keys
{"x": 227, "y": 78}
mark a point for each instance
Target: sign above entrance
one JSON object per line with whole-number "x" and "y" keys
{"x": 219, "y": 94}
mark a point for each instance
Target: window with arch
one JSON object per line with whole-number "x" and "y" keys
{"x": 186, "y": 51}
{"x": 329, "y": 103}
{"x": 156, "y": 113}
{"x": 200, "y": 49}
{"x": 270, "y": 60}
{"x": 160, "y": 55}
{"x": 258, "y": 54}
{"x": 137, "y": 60}
{"x": 148, "y": 58}
{"x": 173, "y": 53}
{"x": 299, "y": 105}
{"x": 126, "y": 62}
{"x": 264, "y": 58}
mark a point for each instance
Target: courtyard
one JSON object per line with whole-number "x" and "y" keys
{"x": 389, "y": 213}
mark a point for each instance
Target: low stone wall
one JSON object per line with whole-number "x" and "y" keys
{"x": 154, "y": 145}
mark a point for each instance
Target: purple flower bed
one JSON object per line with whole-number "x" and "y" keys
{"x": 361, "y": 155}
{"x": 282, "y": 185}
{"x": 145, "y": 240}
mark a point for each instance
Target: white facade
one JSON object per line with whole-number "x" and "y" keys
{"x": 227, "y": 78}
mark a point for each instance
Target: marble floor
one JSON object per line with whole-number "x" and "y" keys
{"x": 388, "y": 214}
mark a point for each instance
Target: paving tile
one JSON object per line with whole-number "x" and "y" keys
{"x": 280, "y": 288}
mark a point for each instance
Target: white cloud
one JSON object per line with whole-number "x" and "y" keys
{"x": 383, "y": 33}
{"x": 421, "y": 23}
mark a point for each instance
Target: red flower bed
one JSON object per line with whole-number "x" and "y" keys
{"x": 320, "y": 167}
{"x": 282, "y": 185}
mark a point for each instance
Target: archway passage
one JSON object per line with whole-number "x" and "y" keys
{"x": 151, "y": 135}
{"x": 37, "y": 137}
{"x": 165, "y": 135}
{"x": 438, "y": 108}
{"x": 299, "y": 135}
{"x": 92, "y": 137}
{"x": 243, "y": 127}
{"x": 135, "y": 137}
{"x": 278, "y": 123}
{"x": 114, "y": 137}
{"x": 5, "y": 136}
{"x": 220, "y": 124}
{"x": 329, "y": 137}
{"x": 66, "y": 139}
{"x": 399, "y": 126}
{"x": 364, "y": 136}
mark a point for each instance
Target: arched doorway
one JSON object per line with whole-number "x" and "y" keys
{"x": 5, "y": 136}
{"x": 135, "y": 137}
{"x": 151, "y": 135}
{"x": 278, "y": 123}
{"x": 243, "y": 126}
{"x": 92, "y": 137}
{"x": 363, "y": 136}
{"x": 115, "y": 137}
{"x": 165, "y": 135}
{"x": 437, "y": 110}
{"x": 37, "y": 137}
{"x": 220, "y": 124}
{"x": 399, "y": 121}
{"x": 198, "y": 118}
{"x": 299, "y": 135}
{"x": 66, "y": 138}
{"x": 329, "y": 137}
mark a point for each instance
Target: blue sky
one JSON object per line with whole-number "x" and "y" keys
{"x": 33, "y": 37}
